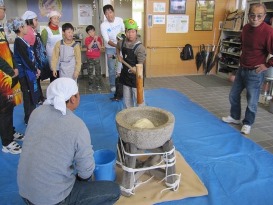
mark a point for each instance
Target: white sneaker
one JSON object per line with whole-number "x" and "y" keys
{"x": 113, "y": 89}
{"x": 13, "y": 148}
{"x": 229, "y": 119}
{"x": 246, "y": 129}
{"x": 18, "y": 136}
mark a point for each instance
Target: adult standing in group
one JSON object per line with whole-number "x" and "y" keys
{"x": 109, "y": 30}
{"x": 51, "y": 35}
{"x": 257, "y": 44}
{"x": 56, "y": 165}
{"x": 28, "y": 72}
{"x": 34, "y": 40}
{"x": 10, "y": 93}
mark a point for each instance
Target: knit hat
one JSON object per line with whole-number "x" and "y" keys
{"x": 29, "y": 15}
{"x": 14, "y": 24}
{"x": 130, "y": 24}
{"x": 59, "y": 91}
{"x": 54, "y": 13}
{"x": 2, "y": 3}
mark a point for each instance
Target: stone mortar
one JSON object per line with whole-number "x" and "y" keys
{"x": 145, "y": 138}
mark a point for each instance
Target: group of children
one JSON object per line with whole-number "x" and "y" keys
{"x": 65, "y": 57}
{"x": 130, "y": 49}
{"x": 55, "y": 54}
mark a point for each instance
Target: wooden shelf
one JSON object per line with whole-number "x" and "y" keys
{"x": 239, "y": 43}
{"x": 229, "y": 39}
{"x": 230, "y": 30}
{"x": 233, "y": 54}
{"x": 228, "y": 65}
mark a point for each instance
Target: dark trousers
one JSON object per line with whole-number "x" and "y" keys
{"x": 119, "y": 89}
{"x": 90, "y": 193}
{"x": 52, "y": 78}
{"x": 6, "y": 126}
{"x": 29, "y": 106}
{"x": 41, "y": 97}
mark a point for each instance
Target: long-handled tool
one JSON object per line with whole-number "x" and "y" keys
{"x": 132, "y": 69}
{"x": 139, "y": 84}
{"x": 138, "y": 70}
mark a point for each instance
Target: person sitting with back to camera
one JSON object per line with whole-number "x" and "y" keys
{"x": 68, "y": 53}
{"x": 56, "y": 163}
{"x": 133, "y": 52}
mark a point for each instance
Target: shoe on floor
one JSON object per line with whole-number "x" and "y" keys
{"x": 18, "y": 136}
{"x": 90, "y": 88}
{"x": 113, "y": 89}
{"x": 13, "y": 148}
{"x": 246, "y": 129}
{"x": 229, "y": 119}
{"x": 115, "y": 99}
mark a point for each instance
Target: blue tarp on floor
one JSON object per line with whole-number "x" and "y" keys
{"x": 235, "y": 170}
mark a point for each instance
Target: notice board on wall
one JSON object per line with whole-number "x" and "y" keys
{"x": 43, "y": 7}
{"x": 177, "y": 24}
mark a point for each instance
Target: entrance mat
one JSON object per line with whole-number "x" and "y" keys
{"x": 209, "y": 80}
{"x": 149, "y": 192}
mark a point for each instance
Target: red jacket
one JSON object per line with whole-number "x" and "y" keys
{"x": 94, "y": 52}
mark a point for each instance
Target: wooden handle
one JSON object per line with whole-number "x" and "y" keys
{"x": 139, "y": 80}
{"x": 139, "y": 83}
{"x": 125, "y": 63}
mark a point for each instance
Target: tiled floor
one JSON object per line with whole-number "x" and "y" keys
{"x": 214, "y": 99}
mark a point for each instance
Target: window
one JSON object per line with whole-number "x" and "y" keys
{"x": 241, "y": 4}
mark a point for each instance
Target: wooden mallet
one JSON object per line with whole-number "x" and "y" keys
{"x": 138, "y": 70}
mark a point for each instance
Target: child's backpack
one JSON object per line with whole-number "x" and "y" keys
{"x": 187, "y": 53}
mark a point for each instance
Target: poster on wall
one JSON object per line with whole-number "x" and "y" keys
{"x": 177, "y": 7}
{"x": 204, "y": 15}
{"x": 85, "y": 14}
{"x": 177, "y": 24}
{"x": 159, "y": 19}
{"x": 43, "y": 7}
{"x": 159, "y": 7}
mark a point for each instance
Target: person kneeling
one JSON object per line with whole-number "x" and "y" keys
{"x": 57, "y": 162}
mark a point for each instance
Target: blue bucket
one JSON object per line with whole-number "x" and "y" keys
{"x": 105, "y": 161}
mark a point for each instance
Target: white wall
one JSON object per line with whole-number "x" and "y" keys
{"x": 123, "y": 10}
